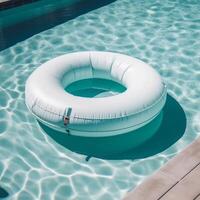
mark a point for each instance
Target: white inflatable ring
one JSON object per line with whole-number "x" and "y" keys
{"x": 140, "y": 103}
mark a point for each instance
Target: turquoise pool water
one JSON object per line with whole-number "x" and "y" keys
{"x": 165, "y": 34}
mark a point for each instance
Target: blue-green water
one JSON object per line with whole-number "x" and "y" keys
{"x": 165, "y": 34}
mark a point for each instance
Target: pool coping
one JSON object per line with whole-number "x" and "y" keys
{"x": 179, "y": 178}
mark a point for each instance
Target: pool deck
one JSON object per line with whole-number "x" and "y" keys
{"x": 178, "y": 179}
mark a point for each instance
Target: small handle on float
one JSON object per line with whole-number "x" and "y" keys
{"x": 67, "y": 114}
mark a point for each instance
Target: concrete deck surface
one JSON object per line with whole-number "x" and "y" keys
{"x": 178, "y": 179}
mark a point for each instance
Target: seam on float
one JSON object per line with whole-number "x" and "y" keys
{"x": 91, "y": 64}
{"x": 51, "y": 112}
{"x": 153, "y": 117}
{"x": 125, "y": 72}
{"x": 114, "y": 58}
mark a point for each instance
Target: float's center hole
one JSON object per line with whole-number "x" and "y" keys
{"x": 95, "y": 87}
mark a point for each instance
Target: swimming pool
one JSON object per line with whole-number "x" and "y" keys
{"x": 164, "y": 34}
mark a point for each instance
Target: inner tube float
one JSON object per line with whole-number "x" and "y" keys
{"x": 140, "y": 103}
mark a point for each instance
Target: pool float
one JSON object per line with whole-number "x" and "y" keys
{"x": 140, "y": 103}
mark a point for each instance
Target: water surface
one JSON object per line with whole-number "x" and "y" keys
{"x": 165, "y": 34}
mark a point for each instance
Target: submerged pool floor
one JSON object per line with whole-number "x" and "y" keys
{"x": 164, "y": 34}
